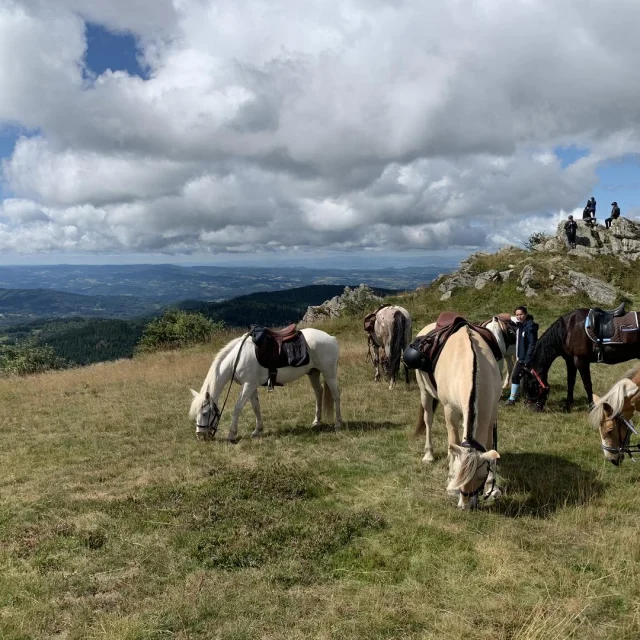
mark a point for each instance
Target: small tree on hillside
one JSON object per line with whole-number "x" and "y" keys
{"x": 176, "y": 329}
{"x": 536, "y": 239}
{"x": 26, "y": 358}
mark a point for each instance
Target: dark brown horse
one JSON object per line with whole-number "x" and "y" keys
{"x": 567, "y": 338}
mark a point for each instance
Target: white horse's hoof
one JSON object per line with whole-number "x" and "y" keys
{"x": 315, "y": 423}
{"x": 256, "y": 434}
{"x": 428, "y": 457}
{"x": 337, "y": 426}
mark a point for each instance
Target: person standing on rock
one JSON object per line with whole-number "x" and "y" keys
{"x": 615, "y": 214}
{"x": 589, "y": 213}
{"x": 526, "y": 340}
{"x": 571, "y": 228}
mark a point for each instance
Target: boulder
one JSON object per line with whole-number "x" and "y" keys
{"x": 598, "y": 291}
{"x": 360, "y": 299}
{"x": 483, "y": 278}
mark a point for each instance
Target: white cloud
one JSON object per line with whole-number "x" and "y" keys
{"x": 346, "y": 124}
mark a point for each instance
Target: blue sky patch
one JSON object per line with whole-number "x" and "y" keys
{"x": 569, "y": 155}
{"x": 109, "y": 50}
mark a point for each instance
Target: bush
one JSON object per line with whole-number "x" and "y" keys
{"x": 535, "y": 239}
{"x": 176, "y": 329}
{"x": 26, "y": 358}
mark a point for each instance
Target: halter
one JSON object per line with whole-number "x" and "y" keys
{"x": 625, "y": 447}
{"x": 544, "y": 389}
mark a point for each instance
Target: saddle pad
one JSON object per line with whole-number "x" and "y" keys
{"x": 625, "y": 329}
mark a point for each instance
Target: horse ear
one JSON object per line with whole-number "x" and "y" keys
{"x": 596, "y": 398}
{"x": 490, "y": 455}
{"x": 455, "y": 449}
{"x": 194, "y": 393}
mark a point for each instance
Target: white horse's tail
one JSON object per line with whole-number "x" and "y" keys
{"x": 327, "y": 402}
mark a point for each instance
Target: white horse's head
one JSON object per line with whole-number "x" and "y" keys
{"x": 205, "y": 412}
{"x": 470, "y": 471}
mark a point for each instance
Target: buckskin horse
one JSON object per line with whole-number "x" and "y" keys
{"x": 612, "y": 414}
{"x": 389, "y": 329}
{"x": 581, "y": 337}
{"x": 463, "y": 376}
{"x": 239, "y": 361}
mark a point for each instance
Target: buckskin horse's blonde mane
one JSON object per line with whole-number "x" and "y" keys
{"x": 614, "y": 399}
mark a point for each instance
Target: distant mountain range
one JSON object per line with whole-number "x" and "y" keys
{"x": 85, "y": 340}
{"x": 166, "y": 283}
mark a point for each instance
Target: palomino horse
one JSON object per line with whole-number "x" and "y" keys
{"x": 238, "y": 360}
{"x": 567, "y": 338}
{"x": 391, "y": 331}
{"x": 612, "y": 415}
{"x": 469, "y": 386}
{"x": 502, "y": 328}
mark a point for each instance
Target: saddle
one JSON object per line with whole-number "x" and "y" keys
{"x": 611, "y": 327}
{"x": 370, "y": 321}
{"x": 424, "y": 352}
{"x": 277, "y": 349}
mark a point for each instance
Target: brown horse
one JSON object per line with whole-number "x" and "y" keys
{"x": 567, "y": 338}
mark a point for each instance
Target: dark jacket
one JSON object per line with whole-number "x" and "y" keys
{"x": 615, "y": 211}
{"x": 571, "y": 227}
{"x": 526, "y": 339}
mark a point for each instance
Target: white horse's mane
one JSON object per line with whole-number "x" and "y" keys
{"x": 466, "y": 471}
{"x": 496, "y": 327}
{"x": 621, "y": 390}
{"x": 212, "y": 374}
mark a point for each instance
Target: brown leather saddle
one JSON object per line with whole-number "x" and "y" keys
{"x": 429, "y": 347}
{"x": 277, "y": 349}
{"x": 370, "y": 321}
{"x": 611, "y": 327}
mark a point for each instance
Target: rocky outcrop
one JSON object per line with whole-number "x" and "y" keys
{"x": 356, "y": 300}
{"x": 598, "y": 291}
{"x": 621, "y": 240}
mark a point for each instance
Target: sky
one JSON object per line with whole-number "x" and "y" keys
{"x": 330, "y": 132}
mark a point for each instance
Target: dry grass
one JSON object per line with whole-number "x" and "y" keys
{"x": 117, "y": 523}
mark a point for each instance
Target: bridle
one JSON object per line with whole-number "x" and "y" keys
{"x": 543, "y": 387}
{"x": 213, "y": 419}
{"x": 471, "y": 443}
{"x": 625, "y": 448}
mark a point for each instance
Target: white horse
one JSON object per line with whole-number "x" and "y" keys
{"x": 506, "y": 337}
{"x": 391, "y": 333}
{"x": 468, "y": 385}
{"x": 238, "y": 358}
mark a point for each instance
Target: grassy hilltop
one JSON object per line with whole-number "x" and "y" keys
{"x": 117, "y": 523}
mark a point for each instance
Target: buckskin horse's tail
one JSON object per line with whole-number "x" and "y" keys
{"x": 327, "y": 402}
{"x": 421, "y": 425}
{"x": 397, "y": 343}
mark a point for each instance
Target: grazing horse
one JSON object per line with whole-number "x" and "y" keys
{"x": 237, "y": 360}
{"x": 567, "y": 338}
{"x": 389, "y": 328}
{"x": 468, "y": 384}
{"x": 612, "y": 414}
{"x": 502, "y": 328}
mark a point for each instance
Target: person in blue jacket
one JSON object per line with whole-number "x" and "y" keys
{"x": 526, "y": 339}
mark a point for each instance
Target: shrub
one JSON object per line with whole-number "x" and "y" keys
{"x": 26, "y": 358}
{"x": 535, "y": 239}
{"x": 176, "y": 329}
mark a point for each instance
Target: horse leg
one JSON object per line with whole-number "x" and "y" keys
{"x": 314, "y": 379}
{"x": 428, "y": 405}
{"x": 376, "y": 361}
{"x": 584, "y": 367}
{"x": 571, "y": 382}
{"x": 332, "y": 383}
{"x": 255, "y": 404}
{"x": 452, "y": 420}
{"x": 245, "y": 394}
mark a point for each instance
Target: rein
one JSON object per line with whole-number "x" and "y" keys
{"x": 217, "y": 413}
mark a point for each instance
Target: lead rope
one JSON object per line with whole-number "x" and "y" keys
{"x": 233, "y": 373}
